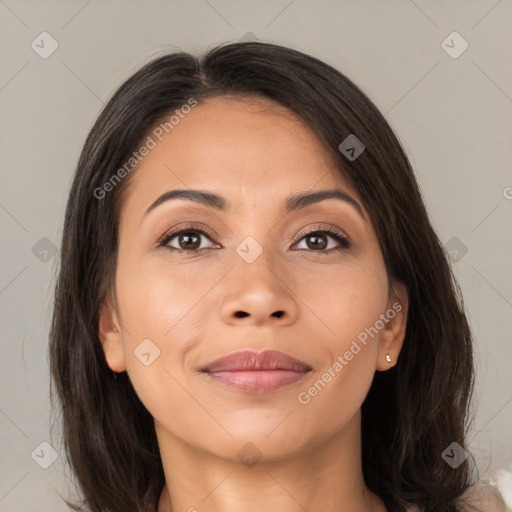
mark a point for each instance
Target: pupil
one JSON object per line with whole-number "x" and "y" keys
{"x": 322, "y": 245}
{"x": 185, "y": 240}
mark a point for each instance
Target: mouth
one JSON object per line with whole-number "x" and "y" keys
{"x": 256, "y": 372}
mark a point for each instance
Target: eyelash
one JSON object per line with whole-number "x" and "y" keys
{"x": 342, "y": 239}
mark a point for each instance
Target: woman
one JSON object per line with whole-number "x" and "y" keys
{"x": 253, "y": 310}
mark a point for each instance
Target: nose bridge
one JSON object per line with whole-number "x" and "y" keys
{"x": 256, "y": 248}
{"x": 257, "y": 291}
{"x": 257, "y": 259}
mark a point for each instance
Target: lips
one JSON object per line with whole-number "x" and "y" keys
{"x": 256, "y": 372}
{"x": 247, "y": 360}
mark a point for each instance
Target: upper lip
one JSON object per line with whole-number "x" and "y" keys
{"x": 248, "y": 360}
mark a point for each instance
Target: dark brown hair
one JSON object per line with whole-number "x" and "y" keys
{"x": 412, "y": 412}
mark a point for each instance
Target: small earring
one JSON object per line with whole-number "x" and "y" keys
{"x": 388, "y": 358}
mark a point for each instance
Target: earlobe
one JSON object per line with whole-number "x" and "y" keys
{"x": 393, "y": 334}
{"x": 109, "y": 333}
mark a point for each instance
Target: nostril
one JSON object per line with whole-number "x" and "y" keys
{"x": 279, "y": 314}
{"x": 241, "y": 314}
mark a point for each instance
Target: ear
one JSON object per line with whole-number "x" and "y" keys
{"x": 393, "y": 333}
{"x": 109, "y": 333}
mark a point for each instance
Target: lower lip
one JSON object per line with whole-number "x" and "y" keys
{"x": 257, "y": 381}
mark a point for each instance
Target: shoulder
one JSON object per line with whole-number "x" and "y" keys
{"x": 483, "y": 497}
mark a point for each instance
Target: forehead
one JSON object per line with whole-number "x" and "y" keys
{"x": 241, "y": 148}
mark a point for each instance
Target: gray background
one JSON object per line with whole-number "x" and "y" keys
{"x": 453, "y": 116}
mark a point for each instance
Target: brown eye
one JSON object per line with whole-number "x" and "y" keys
{"x": 189, "y": 240}
{"x": 185, "y": 240}
{"x": 318, "y": 241}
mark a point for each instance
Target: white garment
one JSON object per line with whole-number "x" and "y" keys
{"x": 480, "y": 497}
{"x": 484, "y": 498}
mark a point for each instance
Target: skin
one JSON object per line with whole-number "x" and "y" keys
{"x": 255, "y": 154}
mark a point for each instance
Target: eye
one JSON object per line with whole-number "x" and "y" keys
{"x": 187, "y": 239}
{"x": 318, "y": 240}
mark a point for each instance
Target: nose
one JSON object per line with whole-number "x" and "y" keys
{"x": 258, "y": 293}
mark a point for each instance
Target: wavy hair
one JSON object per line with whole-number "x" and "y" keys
{"x": 411, "y": 413}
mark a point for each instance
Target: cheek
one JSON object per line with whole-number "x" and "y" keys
{"x": 344, "y": 300}
{"x": 161, "y": 324}
{"x": 348, "y": 305}
{"x": 157, "y": 300}
{"x": 347, "y": 348}
{"x": 164, "y": 312}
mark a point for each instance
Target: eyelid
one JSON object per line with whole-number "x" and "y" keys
{"x": 345, "y": 240}
{"x": 320, "y": 227}
{"x": 164, "y": 239}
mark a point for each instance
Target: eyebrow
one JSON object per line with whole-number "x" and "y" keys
{"x": 292, "y": 203}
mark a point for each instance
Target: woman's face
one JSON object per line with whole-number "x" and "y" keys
{"x": 257, "y": 282}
